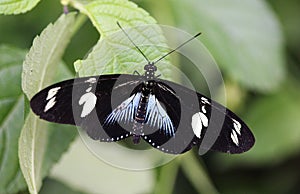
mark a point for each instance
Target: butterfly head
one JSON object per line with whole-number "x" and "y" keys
{"x": 150, "y": 69}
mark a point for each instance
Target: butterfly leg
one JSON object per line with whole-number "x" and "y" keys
{"x": 136, "y": 72}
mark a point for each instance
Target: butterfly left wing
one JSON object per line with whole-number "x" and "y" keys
{"x": 86, "y": 102}
{"x": 198, "y": 121}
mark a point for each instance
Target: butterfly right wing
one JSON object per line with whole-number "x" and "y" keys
{"x": 213, "y": 126}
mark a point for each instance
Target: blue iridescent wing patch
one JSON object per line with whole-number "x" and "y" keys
{"x": 125, "y": 112}
{"x": 157, "y": 117}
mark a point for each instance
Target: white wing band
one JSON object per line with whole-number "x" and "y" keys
{"x": 125, "y": 111}
{"x": 157, "y": 117}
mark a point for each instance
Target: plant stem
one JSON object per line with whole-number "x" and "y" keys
{"x": 81, "y": 18}
{"x": 197, "y": 174}
{"x": 167, "y": 178}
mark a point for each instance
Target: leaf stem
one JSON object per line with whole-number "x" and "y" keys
{"x": 197, "y": 174}
{"x": 167, "y": 178}
{"x": 80, "y": 20}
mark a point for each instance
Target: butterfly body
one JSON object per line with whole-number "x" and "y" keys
{"x": 140, "y": 113}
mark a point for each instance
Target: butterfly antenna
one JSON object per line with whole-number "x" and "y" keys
{"x": 176, "y": 48}
{"x": 133, "y": 42}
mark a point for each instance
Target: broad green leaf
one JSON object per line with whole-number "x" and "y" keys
{"x": 45, "y": 53}
{"x": 51, "y": 186}
{"x": 243, "y": 36}
{"x": 39, "y": 68}
{"x": 16, "y": 6}
{"x": 32, "y": 149}
{"x": 11, "y": 119}
{"x": 81, "y": 169}
{"x": 275, "y": 123}
{"x": 288, "y": 13}
{"x": 114, "y": 53}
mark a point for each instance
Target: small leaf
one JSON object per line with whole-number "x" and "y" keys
{"x": 244, "y": 37}
{"x": 16, "y": 6}
{"x": 39, "y": 69}
{"x": 11, "y": 119}
{"x": 114, "y": 53}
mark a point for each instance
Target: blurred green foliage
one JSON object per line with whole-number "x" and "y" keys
{"x": 257, "y": 46}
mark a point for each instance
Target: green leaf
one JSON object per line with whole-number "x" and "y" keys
{"x": 243, "y": 36}
{"x": 275, "y": 123}
{"x": 16, "y": 6}
{"x": 11, "y": 119}
{"x": 114, "y": 53}
{"x": 80, "y": 168}
{"x": 51, "y": 186}
{"x": 46, "y": 51}
{"x": 39, "y": 69}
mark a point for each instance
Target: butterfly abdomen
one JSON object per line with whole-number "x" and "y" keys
{"x": 141, "y": 109}
{"x": 140, "y": 115}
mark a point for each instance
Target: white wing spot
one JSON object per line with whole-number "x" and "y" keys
{"x": 234, "y": 138}
{"x": 50, "y": 104}
{"x": 236, "y": 131}
{"x": 205, "y": 100}
{"x": 89, "y": 89}
{"x": 52, "y": 92}
{"x": 203, "y": 109}
{"x": 199, "y": 120}
{"x": 51, "y": 97}
{"x": 91, "y": 80}
{"x": 237, "y": 126}
{"x": 89, "y": 102}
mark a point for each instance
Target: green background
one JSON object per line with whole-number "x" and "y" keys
{"x": 265, "y": 93}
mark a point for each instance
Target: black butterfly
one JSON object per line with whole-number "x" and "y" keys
{"x": 170, "y": 117}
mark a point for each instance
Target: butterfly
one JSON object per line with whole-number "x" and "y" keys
{"x": 170, "y": 117}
